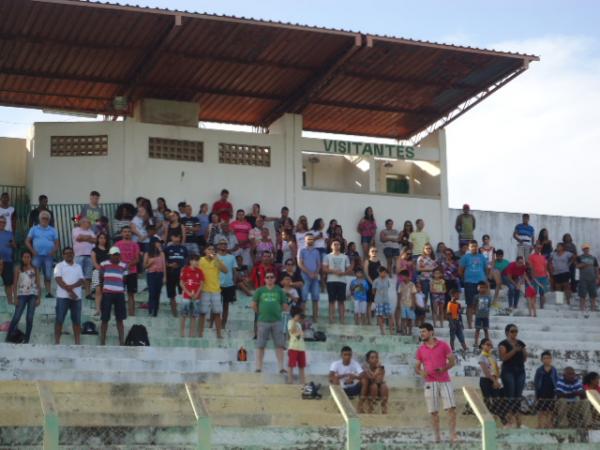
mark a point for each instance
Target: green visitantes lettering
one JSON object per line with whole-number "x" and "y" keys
{"x": 368, "y": 149}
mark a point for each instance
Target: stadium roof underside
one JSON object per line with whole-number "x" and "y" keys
{"x": 80, "y": 56}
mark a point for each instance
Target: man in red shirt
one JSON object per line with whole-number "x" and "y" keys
{"x": 434, "y": 359}
{"x": 538, "y": 264}
{"x": 191, "y": 280}
{"x": 262, "y": 268}
{"x": 516, "y": 275}
{"x": 222, "y": 207}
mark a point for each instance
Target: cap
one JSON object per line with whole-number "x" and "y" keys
{"x": 114, "y": 251}
{"x": 466, "y": 205}
{"x": 223, "y": 241}
{"x": 586, "y": 245}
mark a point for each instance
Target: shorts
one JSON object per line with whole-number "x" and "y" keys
{"x": 44, "y": 264}
{"x": 542, "y": 285}
{"x": 383, "y": 310}
{"x": 586, "y": 288}
{"x": 353, "y": 390}
{"x": 95, "y": 278}
{"x": 210, "y": 302}
{"x": 561, "y": 278}
{"x": 470, "y": 293}
{"x": 189, "y": 308}
{"x": 420, "y": 312}
{"x": 407, "y": 313}
{"x": 438, "y": 299}
{"x": 8, "y": 273}
{"x": 336, "y": 291}
{"x": 108, "y": 300}
{"x": 360, "y": 307}
{"x": 391, "y": 252}
{"x": 272, "y": 329}
{"x": 85, "y": 261}
{"x": 545, "y": 404}
{"x": 64, "y": 305}
{"x": 366, "y": 239}
{"x": 436, "y": 391}
{"x": 296, "y": 358}
{"x": 131, "y": 283}
{"x": 228, "y": 294}
{"x": 192, "y": 248}
{"x": 482, "y": 323}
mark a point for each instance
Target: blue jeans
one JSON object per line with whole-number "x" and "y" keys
{"x": 456, "y": 332}
{"x": 312, "y": 287}
{"x": 25, "y": 301}
{"x": 514, "y": 383}
{"x": 155, "y": 284}
{"x": 513, "y": 295}
{"x": 44, "y": 263}
{"x": 63, "y": 306}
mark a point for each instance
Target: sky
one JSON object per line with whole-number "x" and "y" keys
{"x": 532, "y": 146}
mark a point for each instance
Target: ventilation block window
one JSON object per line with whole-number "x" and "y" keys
{"x": 245, "y": 155}
{"x": 179, "y": 150}
{"x": 79, "y": 145}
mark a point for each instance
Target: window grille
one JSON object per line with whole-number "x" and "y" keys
{"x": 179, "y": 150}
{"x": 79, "y": 145}
{"x": 245, "y": 155}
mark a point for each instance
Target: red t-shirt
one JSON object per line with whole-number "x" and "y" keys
{"x": 434, "y": 358}
{"x": 223, "y": 209}
{"x": 192, "y": 278}
{"x": 515, "y": 271}
{"x": 241, "y": 231}
{"x": 258, "y": 274}
{"x": 129, "y": 252}
{"x": 539, "y": 265}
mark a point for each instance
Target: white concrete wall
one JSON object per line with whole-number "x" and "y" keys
{"x": 500, "y": 226}
{"x": 13, "y": 161}
{"x": 127, "y": 172}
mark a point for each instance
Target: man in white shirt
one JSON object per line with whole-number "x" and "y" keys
{"x": 83, "y": 243}
{"x": 8, "y": 212}
{"x": 346, "y": 373}
{"x": 69, "y": 279}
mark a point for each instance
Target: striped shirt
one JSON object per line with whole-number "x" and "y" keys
{"x": 113, "y": 276}
{"x": 563, "y": 387}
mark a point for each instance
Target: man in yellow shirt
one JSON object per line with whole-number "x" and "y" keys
{"x": 418, "y": 239}
{"x": 210, "y": 301}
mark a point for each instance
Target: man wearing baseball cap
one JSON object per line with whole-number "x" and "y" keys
{"x": 112, "y": 278}
{"x": 465, "y": 226}
{"x": 588, "y": 274}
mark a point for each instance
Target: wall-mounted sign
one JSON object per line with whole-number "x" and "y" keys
{"x": 368, "y": 149}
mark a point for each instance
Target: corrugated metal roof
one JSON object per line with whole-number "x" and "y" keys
{"x": 66, "y": 54}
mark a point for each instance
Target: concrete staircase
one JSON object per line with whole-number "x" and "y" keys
{"x": 138, "y": 390}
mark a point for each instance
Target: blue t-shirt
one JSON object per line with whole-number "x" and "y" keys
{"x": 525, "y": 233}
{"x": 475, "y": 266}
{"x": 311, "y": 258}
{"x": 230, "y": 263}
{"x": 43, "y": 239}
{"x": 6, "y": 251}
{"x": 359, "y": 289}
{"x": 203, "y": 219}
{"x": 176, "y": 253}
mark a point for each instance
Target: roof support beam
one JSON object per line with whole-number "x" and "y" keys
{"x": 299, "y": 99}
{"x": 150, "y": 58}
{"x": 406, "y": 80}
{"x": 378, "y": 108}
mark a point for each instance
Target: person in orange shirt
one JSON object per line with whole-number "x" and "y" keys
{"x": 455, "y": 323}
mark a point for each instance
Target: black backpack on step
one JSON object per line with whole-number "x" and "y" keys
{"x": 137, "y": 336}
{"x": 16, "y": 337}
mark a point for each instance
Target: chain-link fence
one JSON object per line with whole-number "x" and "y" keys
{"x": 559, "y": 413}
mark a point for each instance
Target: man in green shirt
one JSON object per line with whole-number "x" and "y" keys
{"x": 497, "y": 272}
{"x": 465, "y": 226}
{"x": 268, "y": 303}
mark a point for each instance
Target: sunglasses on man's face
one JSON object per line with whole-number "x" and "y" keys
{"x": 513, "y": 331}
{"x": 269, "y": 276}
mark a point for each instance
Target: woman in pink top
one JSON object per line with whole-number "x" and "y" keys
{"x": 367, "y": 228}
{"x": 154, "y": 263}
{"x": 405, "y": 262}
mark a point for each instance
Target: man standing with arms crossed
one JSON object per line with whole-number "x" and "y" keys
{"x": 434, "y": 359}
{"x": 473, "y": 267}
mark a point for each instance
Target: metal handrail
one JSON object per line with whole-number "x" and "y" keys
{"x": 488, "y": 424}
{"x": 353, "y": 438}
